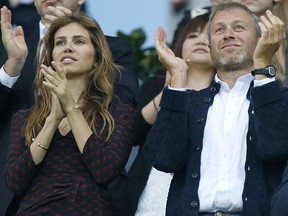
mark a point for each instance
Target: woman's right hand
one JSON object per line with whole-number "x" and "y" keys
{"x": 176, "y": 66}
{"x": 14, "y": 44}
{"x": 56, "y": 109}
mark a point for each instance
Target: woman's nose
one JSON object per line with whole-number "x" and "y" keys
{"x": 68, "y": 47}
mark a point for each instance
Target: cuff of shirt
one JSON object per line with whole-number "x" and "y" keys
{"x": 177, "y": 89}
{"x": 263, "y": 81}
{"x": 6, "y": 80}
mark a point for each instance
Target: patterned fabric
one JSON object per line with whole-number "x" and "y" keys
{"x": 68, "y": 182}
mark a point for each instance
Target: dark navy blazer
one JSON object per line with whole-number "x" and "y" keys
{"x": 175, "y": 142}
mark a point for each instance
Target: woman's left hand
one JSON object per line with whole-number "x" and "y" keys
{"x": 55, "y": 80}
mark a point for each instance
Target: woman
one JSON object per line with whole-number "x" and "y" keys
{"x": 77, "y": 137}
{"x": 149, "y": 193}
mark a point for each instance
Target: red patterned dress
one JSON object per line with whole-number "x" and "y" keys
{"x": 67, "y": 182}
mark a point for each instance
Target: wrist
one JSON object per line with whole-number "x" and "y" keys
{"x": 260, "y": 63}
{"x": 13, "y": 66}
{"x": 179, "y": 82}
{"x": 72, "y": 108}
{"x": 53, "y": 119}
{"x": 264, "y": 72}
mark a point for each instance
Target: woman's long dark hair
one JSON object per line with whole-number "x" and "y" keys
{"x": 99, "y": 85}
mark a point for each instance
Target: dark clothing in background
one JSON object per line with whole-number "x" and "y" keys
{"x": 140, "y": 169}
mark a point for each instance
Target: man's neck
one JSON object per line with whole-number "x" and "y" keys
{"x": 231, "y": 77}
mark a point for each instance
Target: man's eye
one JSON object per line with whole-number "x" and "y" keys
{"x": 219, "y": 30}
{"x": 238, "y": 27}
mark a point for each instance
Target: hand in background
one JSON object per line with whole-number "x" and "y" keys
{"x": 14, "y": 44}
{"x": 55, "y": 12}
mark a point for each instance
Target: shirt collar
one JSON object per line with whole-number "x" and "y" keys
{"x": 243, "y": 81}
{"x": 43, "y": 30}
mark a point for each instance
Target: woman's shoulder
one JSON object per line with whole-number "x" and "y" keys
{"x": 117, "y": 107}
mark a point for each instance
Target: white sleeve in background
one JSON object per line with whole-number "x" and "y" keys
{"x": 6, "y": 80}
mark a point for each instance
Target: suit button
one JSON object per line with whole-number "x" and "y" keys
{"x": 213, "y": 89}
{"x": 207, "y": 100}
{"x": 194, "y": 204}
{"x": 196, "y": 147}
{"x": 200, "y": 120}
{"x": 194, "y": 175}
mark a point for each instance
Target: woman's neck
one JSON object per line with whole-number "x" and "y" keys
{"x": 199, "y": 78}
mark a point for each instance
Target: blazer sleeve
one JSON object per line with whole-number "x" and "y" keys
{"x": 126, "y": 85}
{"x": 270, "y": 104}
{"x": 106, "y": 159}
{"x": 5, "y": 93}
{"x": 166, "y": 146}
{"x": 148, "y": 90}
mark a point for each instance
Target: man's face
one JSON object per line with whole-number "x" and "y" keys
{"x": 258, "y": 6}
{"x": 73, "y": 5}
{"x": 233, "y": 39}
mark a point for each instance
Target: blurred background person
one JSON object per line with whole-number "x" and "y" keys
{"x": 24, "y": 14}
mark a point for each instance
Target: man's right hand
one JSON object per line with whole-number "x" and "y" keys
{"x": 14, "y": 44}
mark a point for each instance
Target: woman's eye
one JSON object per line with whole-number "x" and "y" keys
{"x": 59, "y": 43}
{"x": 192, "y": 35}
{"x": 79, "y": 42}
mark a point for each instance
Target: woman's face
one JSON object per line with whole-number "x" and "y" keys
{"x": 196, "y": 47}
{"x": 73, "y": 49}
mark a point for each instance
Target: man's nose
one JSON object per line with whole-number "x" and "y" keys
{"x": 229, "y": 33}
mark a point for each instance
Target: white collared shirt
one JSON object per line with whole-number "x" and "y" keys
{"x": 9, "y": 81}
{"x": 224, "y": 148}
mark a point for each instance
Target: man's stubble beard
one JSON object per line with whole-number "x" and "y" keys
{"x": 232, "y": 62}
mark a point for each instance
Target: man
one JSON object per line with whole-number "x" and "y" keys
{"x": 279, "y": 8}
{"x": 223, "y": 142}
{"x": 17, "y": 74}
